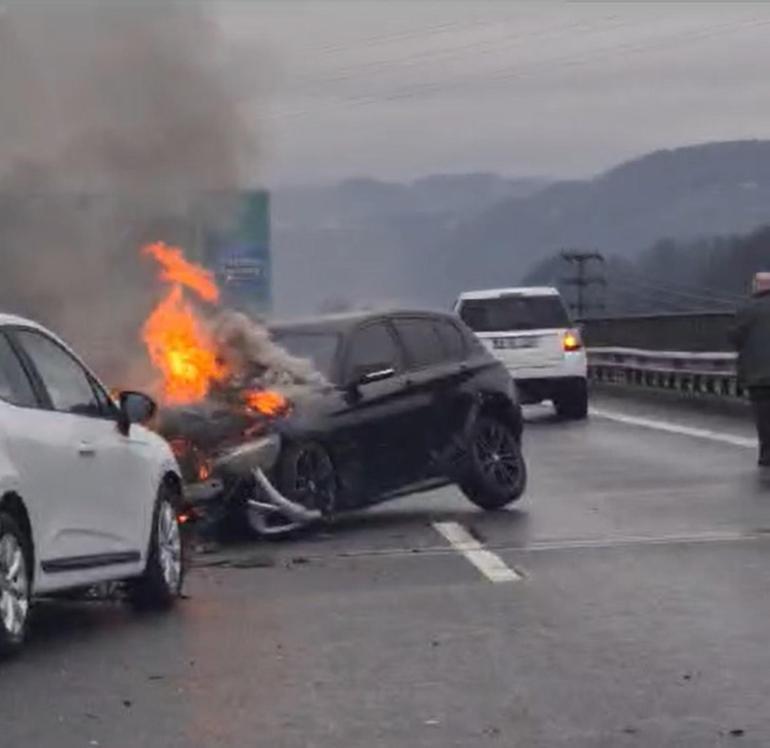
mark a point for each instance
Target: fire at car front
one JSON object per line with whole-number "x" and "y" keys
{"x": 224, "y": 390}
{"x": 228, "y": 456}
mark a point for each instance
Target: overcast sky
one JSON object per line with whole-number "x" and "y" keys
{"x": 402, "y": 89}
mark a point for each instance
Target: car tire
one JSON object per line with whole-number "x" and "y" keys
{"x": 161, "y": 583}
{"x": 307, "y": 476}
{"x": 571, "y": 402}
{"x": 495, "y": 474}
{"x": 16, "y": 584}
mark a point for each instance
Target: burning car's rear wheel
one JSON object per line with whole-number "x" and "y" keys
{"x": 163, "y": 576}
{"x": 307, "y": 476}
{"x": 496, "y": 473}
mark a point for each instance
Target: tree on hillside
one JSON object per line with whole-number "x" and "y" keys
{"x": 709, "y": 274}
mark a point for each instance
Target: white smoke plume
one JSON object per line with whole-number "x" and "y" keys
{"x": 255, "y": 361}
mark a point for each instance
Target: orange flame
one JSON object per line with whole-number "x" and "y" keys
{"x": 267, "y": 402}
{"x": 177, "y": 340}
{"x": 178, "y": 270}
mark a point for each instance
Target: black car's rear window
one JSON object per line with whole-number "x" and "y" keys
{"x": 454, "y": 342}
{"x": 514, "y": 313}
{"x": 319, "y": 347}
{"x": 421, "y": 340}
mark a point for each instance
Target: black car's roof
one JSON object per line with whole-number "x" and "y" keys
{"x": 345, "y": 322}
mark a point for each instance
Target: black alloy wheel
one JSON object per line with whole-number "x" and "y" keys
{"x": 308, "y": 477}
{"x": 497, "y": 473}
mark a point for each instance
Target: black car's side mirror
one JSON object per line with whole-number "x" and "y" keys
{"x": 135, "y": 407}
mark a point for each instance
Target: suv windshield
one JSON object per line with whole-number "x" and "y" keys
{"x": 319, "y": 347}
{"x": 514, "y": 313}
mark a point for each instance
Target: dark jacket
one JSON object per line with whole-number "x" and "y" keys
{"x": 751, "y": 337}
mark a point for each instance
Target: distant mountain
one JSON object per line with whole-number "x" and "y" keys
{"x": 364, "y": 241}
{"x": 681, "y": 194}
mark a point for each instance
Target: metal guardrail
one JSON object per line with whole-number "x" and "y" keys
{"x": 706, "y": 373}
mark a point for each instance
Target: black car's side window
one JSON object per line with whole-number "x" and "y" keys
{"x": 67, "y": 383}
{"x": 15, "y": 386}
{"x": 452, "y": 338}
{"x": 372, "y": 348}
{"x": 423, "y": 345}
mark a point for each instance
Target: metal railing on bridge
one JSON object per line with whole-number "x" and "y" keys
{"x": 688, "y": 352}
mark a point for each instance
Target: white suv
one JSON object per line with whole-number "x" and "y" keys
{"x": 85, "y": 496}
{"x": 530, "y": 331}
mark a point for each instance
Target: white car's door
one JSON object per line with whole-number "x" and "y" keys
{"x": 98, "y": 521}
{"x": 38, "y": 443}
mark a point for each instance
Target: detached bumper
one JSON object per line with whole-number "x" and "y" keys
{"x": 271, "y": 513}
{"x": 268, "y": 511}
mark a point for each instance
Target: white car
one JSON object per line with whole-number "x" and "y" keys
{"x": 530, "y": 332}
{"x": 87, "y": 494}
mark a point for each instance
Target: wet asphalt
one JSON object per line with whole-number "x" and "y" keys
{"x": 640, "y": 618}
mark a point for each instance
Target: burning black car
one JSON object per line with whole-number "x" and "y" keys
{"x": 404, "y": 402}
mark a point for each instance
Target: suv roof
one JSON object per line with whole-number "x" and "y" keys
{"x": 495, "y": 293}
{"x": 343, "y": 323}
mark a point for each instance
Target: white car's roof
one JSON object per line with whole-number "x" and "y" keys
{"x": 12, "y": 319}
{"x": 494, "y": 293}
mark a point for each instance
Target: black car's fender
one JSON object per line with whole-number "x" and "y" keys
{"x": 315, "y": 422}
{"x": 504, "y": 409}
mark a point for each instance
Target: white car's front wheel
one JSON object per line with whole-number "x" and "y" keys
{"x": 15, "y": 585}
{"x": 161, "y": 583}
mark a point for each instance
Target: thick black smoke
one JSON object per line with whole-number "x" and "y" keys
{"x": 117, "y": 123}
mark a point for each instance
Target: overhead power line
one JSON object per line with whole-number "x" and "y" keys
{"x": 664, "y": 288}
{"x": 656, "y": 296}
{"x": 507, "y": 73}
{"x": 697, "y": 288}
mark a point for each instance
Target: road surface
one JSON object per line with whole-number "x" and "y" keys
{"x": 624, "y": 602}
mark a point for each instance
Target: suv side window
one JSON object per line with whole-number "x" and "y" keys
{"x": 372, "y": 347}
{"x": 422, "y": 343}
{"x": 452, "y": 338}
{"x": 66, "y": 381}
{"x": 15, "y": 386}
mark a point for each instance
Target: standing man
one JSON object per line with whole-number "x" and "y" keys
{"x": 751, "y": 337}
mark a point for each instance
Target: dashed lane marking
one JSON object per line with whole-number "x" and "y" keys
{"x": 488, "y": 563}
{"x": 676, "y": 428}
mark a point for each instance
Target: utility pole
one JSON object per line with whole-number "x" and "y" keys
{"x": 582, "y": 279}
